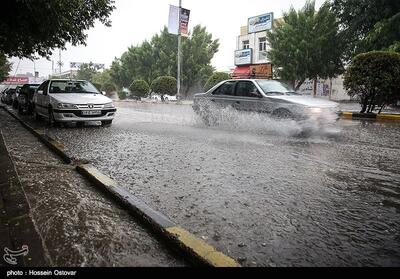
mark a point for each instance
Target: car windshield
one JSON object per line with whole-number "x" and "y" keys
{"x": 273, "y": 87}
{"x": 67, "y": 86}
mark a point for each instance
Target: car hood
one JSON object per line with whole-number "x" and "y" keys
{"x": 81, "y": 98}
{"x": 307, "y": 101}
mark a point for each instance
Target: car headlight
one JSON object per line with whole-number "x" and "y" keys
{"x": 315, "y": 110}
{"x": 109, "y": 105}
{"x": 66, "y": 106}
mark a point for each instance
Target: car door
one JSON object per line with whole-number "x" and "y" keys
{"x": 224, "y": 95}
{"x": 248, "y": 97}
{"x": 40, "y": 98}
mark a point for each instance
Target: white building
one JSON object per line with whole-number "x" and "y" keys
{"x": 252, "y": 46}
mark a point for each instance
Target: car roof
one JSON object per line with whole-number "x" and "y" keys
{"x": 58, "y": 79}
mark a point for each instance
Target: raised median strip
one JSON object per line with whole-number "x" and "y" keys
{"x": 55, "y": 146}
{"x": 370, "y": 116}
{"x": 197, "y": 249}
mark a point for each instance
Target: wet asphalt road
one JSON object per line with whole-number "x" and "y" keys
{"x": 78, "y": 224}
{"x": 253, "y": 188}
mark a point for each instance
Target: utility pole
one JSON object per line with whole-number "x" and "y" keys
{"x": 178, "y": 94}
{"x": 59, "y": 61}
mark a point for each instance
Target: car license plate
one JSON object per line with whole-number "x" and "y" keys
{"x": 91, "y": 112}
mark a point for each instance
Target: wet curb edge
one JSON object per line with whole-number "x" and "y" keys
{"x": 195, "y": 248}
{"x": 370, "y": 116}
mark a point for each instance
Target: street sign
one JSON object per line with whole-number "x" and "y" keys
{"x": 243, "y": 56}
{"x": 260, "y": 23}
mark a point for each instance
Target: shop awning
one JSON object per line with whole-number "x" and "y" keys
{"x": 241, "y": 72}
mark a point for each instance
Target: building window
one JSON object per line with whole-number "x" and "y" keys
{"x": 246, "y": 44}
{"x": 262, "y": 45}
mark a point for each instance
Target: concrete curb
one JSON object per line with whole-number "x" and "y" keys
{"x": 197, "y": 249}
{"x": 55, "y": 146}
{"x": 370, "y": 116}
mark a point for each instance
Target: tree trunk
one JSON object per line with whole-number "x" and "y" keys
{"x": 371, "y": 102}
{"x": 380, "y": 110}
{"x": 315, "y": 88}
{"x": 298, "y": 85}
{"x": 364, "y": 104}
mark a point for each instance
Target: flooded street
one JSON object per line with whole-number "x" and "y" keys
{"x": 255, "y": 188}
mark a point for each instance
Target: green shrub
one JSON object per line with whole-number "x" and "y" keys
{"x": 121, "y": 95}
{"x": 164, "y": 85}
{"x": 215, "y": 78}
{"x": 139, "y": 88}
{"x": 108, "y": 87}
{"x": 374, "y": 77}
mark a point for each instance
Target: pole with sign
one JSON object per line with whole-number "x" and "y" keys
{"x": 178, "y": 94}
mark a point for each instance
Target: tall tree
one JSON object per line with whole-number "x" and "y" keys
{"x": 158, "y": 57}
{"x": 36, "y": 27}
{"x": 368, "y": 25}
{"x": 5, "y": 66}
{"x": 301, "y": 44}
{"x": 86, "y": 71}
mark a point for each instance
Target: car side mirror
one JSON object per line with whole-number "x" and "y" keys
{"x": 104, "y": 93}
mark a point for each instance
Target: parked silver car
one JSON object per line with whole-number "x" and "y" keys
{"x": 266, "y": 96}
{"x": 61, "y": 100}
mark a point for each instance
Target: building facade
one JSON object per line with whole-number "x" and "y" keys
{"x": 251, "y": 58}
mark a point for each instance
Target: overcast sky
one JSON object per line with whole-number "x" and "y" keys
{"x": 135, "y": 21}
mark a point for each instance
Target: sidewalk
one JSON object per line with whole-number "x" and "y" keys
{"x": 79, "y": 226}
{"x": 17, "y": 229}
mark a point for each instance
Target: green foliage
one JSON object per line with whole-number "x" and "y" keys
{"x": 216, "y": 78}
{"x": 164, "y": 85}
{"x": 374, "y": 77}
{"x": 301, "y": 44}
{"x": 368, "y": 25}
{"x": 158, "y": 57}
{"x": 108, "y": 87}
{"x": 139, "y": 88}
{"x": 37, "y": 27}
{"x": 121, "y": 95}
{"x": 5, "y": 66}
{"x": 102, "y": 78}
{"x": 86, "y": 71}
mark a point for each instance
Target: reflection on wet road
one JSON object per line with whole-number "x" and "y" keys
{"x": 255, "y": 189}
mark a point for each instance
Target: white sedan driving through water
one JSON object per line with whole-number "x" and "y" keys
{"x": 266, "y": 96}
{"x": 79, "y": 101}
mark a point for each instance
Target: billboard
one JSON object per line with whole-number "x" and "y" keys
{"x": 243, "y": 56}
{"x": 185, "y": 22}
{"x": 173, "y": 25}
{"x": 260, "y": 23}
{"x": 95, "y": 66}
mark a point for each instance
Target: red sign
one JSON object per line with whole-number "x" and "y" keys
{"x": 16, "y": 80}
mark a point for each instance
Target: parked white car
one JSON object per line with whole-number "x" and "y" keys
{"x": 62, "y": 100}
{"x": 167, "y": 98}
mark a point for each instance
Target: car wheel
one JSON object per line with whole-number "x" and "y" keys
{"x": 52, "y": 121}
{"x": 106, "y": 123}
{"x": 282, "y": 114}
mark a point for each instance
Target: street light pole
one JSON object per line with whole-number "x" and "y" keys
{"x": 178, "y": 94}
